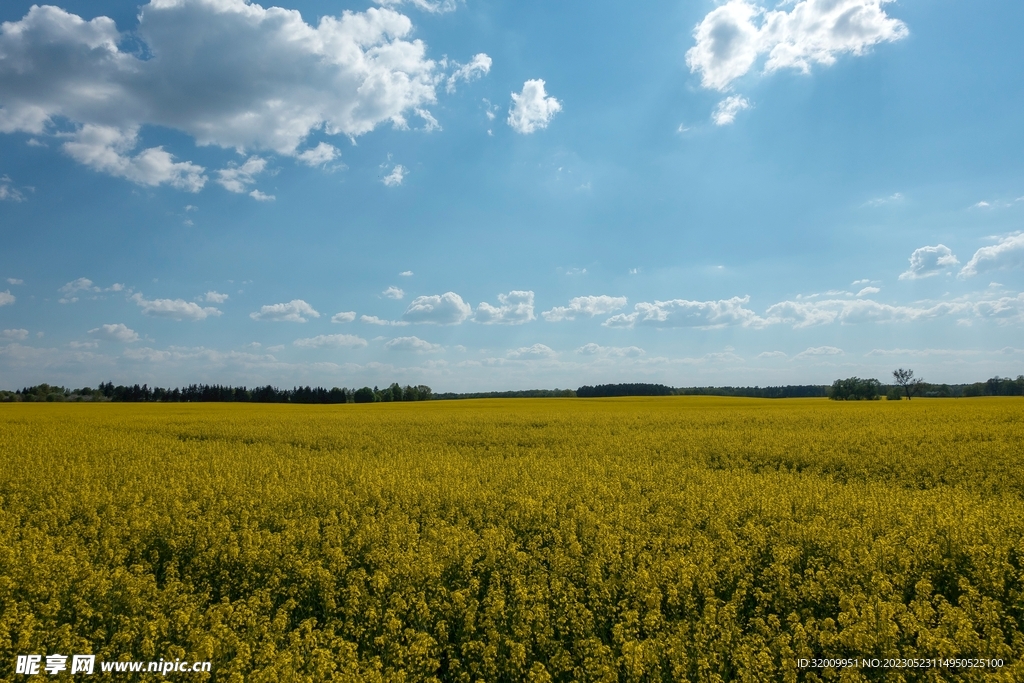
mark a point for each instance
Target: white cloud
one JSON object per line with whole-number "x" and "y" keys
{"x": 585, "y": 305}
{"x": 226, "y": 72}
{"x": 920, "y": 352}
{"x": 374, "y": 320}
{"x": 810, "y": 313}
{"x": 343, "y": 317}
{"x": 333, "y": 341}
{"x": 444, "y": 309}
{"x": 535, "y": 352}
{"x": 15, "y": 281}
{"x": 515, "y": 308}
{"x": 261, "y": 196}
{"x": 532, "y": 109}
{"x": 395, "y": 178}
{"x": 684, "y": 313}
{"x": 9, "y": 193}
{"x": 593, "y": 349}
{"x": 6, "y": 298}
{"x": 393, "y": 292}
{"x": 868, "y": 290}
{"x": 177, "y": 309}
{"x": 411, "y": 344}
{"x": 321, "y": 155}
{"x": 725, "y": 112}
{"x": 432, "y": 6}
{"x": 928, "y": 261}
{"x": 733, "y": 36}
{"x": 213, "y": 297}
{"x": 816, "y": 351}
{"x": 406, "y": 273}
{"x": 1008, "y": 253}
{"x": 478, "y": 67}
{"x": 17, "y": 335}
{"x": 295, "y": 311}
{"x": 237, "y": 178}
{"x": 82, "y": 284}
{"x": 108, "y": 149}
{"x": 119, "y": 332}
{"x": 1005, "y": 308}
{"x": 772, "y": 354}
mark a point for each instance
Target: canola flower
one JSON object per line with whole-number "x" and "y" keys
{"x": 665, "y": 539}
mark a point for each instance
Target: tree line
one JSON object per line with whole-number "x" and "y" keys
{"x": 216, "y": 393}
{"x": 790, "y": 391}
{"x": 906, "y": 385}
{"x": 850, "y": 389}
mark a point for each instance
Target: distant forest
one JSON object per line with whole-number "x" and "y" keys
{"x": 852, "y": 388}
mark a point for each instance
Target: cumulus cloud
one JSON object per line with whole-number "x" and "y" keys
{"x": 585, "y": 305}
{"x": 108, "y": 149}
{"x": 478, "y": 67}
{"x": 444, "y": 309}
{"x": 725, "y": 112}
{"x": 1003, "y": 309}
{"x": 237, "y": 178}
{"x": 514, "y": 308}
{"x": 685, "y": 313}
{"x": 810, "y": 313}
{"x": 15, "y": 281}
{"x": 6, "y": 298}
{"x": 411, "y": 344}
{"x": 395, "y": 178}
{"x": 432, "y": 6}
{"x": 374, "y": 320}
{"x": 213, "y": 297}
{"x": 226, "y": 72}
{"x": 532, "y": 109}
{"x": 733, "y": 36}
{"x": 262, "y": 196}
{"x": 868, "y": 290}
{"x": 815, "y": 351}
{"x": 928, "y": 261}
{"x": 8, "y": 192}
{"x": 343, "y": 317}
{"x": 82, "y": 284}
{"x": 393, "y": 292}
{"x": 406, "y": 273}
{"x": 17, "y": 334}
{"x": 321, "y": 155}
{"x": 295, "y": 311}
{"x": 1008, "y": 253}
{"x": 772, "y": 354}
{"x": 535, "y": 352}
{"x": 177, "y": 309}
{"x": 593, "y": 349}
{"x": 332, "y": 341}
{"x": 119, "y": 332}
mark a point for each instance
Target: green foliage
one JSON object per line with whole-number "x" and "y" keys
{"x": 669, "y": 539}
{"x": 365, "y": 395}
{"x": 855, "y": 389}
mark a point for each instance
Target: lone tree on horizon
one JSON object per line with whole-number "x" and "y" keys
{"x": 905, "y": 378}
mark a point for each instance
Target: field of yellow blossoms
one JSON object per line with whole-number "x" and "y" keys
{"x": 661, "y": 539}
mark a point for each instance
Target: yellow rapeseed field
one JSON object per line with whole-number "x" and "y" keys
{"x": 663, "y": 539}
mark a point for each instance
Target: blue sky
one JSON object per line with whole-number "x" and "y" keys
{"x": 495, "y": 195}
